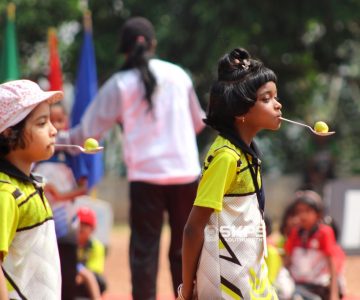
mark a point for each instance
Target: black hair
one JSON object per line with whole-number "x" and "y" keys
{"x": 137, "y": 38}
{"x": 61, "y": 105}
{"x": 58, "y": 104}
{"x": 289, "y": 212}
{"x": 12, "y": 139}
{"x": 234, "y": 91}
{"x": 310, "y": 198}
{"x": 268, "y": 224}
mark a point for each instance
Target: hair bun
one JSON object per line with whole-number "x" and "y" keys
{"x": 234, "y": 65}
{"x": 240, "y": 58}
{"x": 239, "y": 54}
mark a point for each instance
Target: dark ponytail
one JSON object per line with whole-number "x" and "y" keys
{"x": 137, "y": 37}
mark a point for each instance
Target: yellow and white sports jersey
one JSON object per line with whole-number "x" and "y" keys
{"x": 27, "y": 238}
{"x": 92, "y": 256}
{"x": 232, "y": 264}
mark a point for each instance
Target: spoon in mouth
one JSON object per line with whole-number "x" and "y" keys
{"x": 82, "y": 149}
{"x": 309, "y": 127}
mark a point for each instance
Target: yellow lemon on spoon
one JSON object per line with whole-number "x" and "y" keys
{"x": 321, "y": 127}
{"x": 91, "y": 144}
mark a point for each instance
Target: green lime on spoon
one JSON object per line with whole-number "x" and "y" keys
{"x": 320, "y": 128}
{"x": 91, "y": 146}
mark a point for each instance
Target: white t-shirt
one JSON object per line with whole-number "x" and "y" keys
{"x": 159, "y": 145}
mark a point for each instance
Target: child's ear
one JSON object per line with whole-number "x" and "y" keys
{"x": 240, "y": 119}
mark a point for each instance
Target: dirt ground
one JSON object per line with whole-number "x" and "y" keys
{"x": 118, "y": 275}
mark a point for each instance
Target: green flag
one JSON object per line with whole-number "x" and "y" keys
{"x": 9, "y": 69}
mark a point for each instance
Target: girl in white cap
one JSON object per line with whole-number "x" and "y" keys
{"x": 30, "y": 266}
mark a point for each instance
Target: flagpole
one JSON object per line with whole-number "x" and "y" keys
{"x": 87, "y": 23}
{"x": 85, "y": 90}
{"x": 9, "y": 69}
{"x": 87, "y": 20}
{"x": 11, "y": 9}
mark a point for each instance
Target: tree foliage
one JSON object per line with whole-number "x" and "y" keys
{"x": 312, "y": 45}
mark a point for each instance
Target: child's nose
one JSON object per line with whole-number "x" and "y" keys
{"x": 278, "y": 105}
{"x": 53, "y": 130}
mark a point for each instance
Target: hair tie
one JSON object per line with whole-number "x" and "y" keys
{"x": 245, "y": 64}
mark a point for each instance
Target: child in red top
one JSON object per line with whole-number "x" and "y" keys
{"x": 310, "y": 250}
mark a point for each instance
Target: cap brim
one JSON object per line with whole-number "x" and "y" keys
{"x": 53, "y": 96}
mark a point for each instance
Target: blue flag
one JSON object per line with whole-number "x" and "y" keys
{"x": 85, "y": 90}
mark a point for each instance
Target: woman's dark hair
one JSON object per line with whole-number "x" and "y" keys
{"x": 14, "y": 139}
{"x": 137, "y": 37}
{"x": 234, "y": 92}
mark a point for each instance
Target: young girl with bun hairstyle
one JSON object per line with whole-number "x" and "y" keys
{"x": 224, "y": 241}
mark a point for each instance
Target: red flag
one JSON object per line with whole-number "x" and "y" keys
{"x": 55, "y": 73}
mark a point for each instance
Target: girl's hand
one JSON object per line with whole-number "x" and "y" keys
{"x": 184, "y": 294}
{"x": 51, "y": 190}
{"x": 3, "y": 288}
{"x": 334, "y": 296}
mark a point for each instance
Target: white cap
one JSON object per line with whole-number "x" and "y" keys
{"x": 19, "y": 97}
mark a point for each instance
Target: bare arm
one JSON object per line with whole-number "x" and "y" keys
{"x": 3, "y": 289}
{"x": 102, "y": 113}
{"x": 334, "y": 291}
{"x": 81, "y": 189}
{"x": 88, "y": 278}
{"x": 193, "y": 239}
{"x": 197, "y": 113}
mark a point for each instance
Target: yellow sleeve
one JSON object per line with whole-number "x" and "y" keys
{"x": 9, "y": 216}
{"x": 96, "y": 259}
{"x": 216, "y": 180}
{"x": 274, "y": 263}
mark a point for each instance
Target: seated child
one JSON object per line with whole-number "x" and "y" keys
{"x": 91, "y": 256}
{"x": 310, "y": 253}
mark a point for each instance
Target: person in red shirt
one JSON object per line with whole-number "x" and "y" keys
{"x": 310, "y": 250}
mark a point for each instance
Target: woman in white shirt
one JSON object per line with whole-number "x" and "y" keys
{"x": 156, "y": 105}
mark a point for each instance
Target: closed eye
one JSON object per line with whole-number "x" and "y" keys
{"x": 42, "y": 121}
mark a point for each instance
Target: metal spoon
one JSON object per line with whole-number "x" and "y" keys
{"x": 82, "y": 149}
{"x": 309, "y": 127}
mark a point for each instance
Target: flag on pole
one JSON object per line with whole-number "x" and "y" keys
{"x": 9, "y": 69}
{"x": 85, "y": 90}
{"x": 55, "y": 73}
